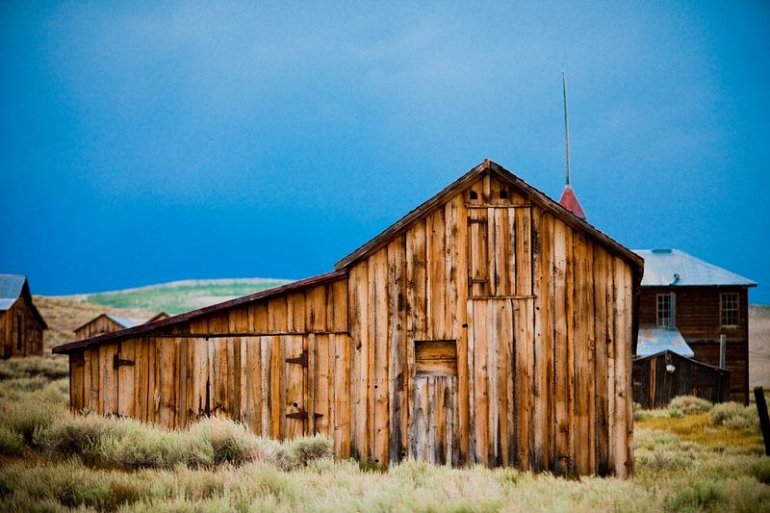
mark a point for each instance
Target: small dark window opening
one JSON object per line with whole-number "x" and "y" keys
{"x": 504, "y": 194}
{"x": 19, "y": 332}
{"x": 473, "y": 195}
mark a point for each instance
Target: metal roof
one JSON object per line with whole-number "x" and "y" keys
{"x": 665, "y": 267}
{"x": 127, "y": 322}
{"x": 11, "y": 286}
{"x": 655, "y": 340}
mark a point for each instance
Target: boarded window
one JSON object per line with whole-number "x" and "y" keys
{"x": 728, "y": 309}
{"x": 435, "y": 357}
{"x": 478, "y": 247}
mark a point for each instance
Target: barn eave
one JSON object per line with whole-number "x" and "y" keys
{"x": 159, "y": 326}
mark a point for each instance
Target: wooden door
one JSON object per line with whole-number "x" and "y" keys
{"x": 435, "y": 437}
{"x": 434, "y": 421}
{"x": 296, "y": 384}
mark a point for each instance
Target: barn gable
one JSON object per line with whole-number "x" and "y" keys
{"x": 489, "y": 326}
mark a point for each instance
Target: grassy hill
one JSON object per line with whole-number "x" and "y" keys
{"x": 179, "y": 296}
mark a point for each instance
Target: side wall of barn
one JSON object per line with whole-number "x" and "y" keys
{"x": 280, "y": 366}
{"x": 492, "y": 332}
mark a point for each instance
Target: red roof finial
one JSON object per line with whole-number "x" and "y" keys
{"x": 570, "y": 202}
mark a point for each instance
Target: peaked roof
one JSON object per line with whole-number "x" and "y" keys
{"x": 537, "y": 197}
{"x": 570, "y": 202}
{"x": 654, "y": 340}
{"x": 666, "y": 267}
{"x": 12, "y": 287}
{"x": 122, "y": 321}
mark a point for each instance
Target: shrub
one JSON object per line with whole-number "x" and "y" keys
{"x": 735, "y": 416}
{"x": 701, "y": 494}
{"x": 27, "y": 417}
{"x": 690, "y": 404}
{"x": 79, "y": 435}
{"x": 11, "y": 443}
{"x": 230, "y": 441}
{"x": 301, "y": 451}
{"x": 675, "y": 413}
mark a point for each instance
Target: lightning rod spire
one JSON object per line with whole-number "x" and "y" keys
{"x": 566, "y": 123}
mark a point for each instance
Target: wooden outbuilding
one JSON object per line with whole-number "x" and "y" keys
{"x": 660, "y": 377}
{"x": 106, "y": 323}
{"x": 489, "y": 325}
{"x": 21, "y": 325}
{"x": 703, "y": 302}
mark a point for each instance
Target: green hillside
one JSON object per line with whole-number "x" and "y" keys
{"x": 180, "y": 296}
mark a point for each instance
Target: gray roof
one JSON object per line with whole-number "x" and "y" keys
{"x": 664, "y": 267}
{"x": 11, "y": 286}
{"x": 655, "y": 340}
{"x": 126, "y": 322}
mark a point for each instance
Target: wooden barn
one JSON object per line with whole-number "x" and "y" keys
{"x": 105, "y": 323}
{"x": 21, "y": 325}
{"x": 489, "y": 325}
{"x": 683, "y": 294}
{"x": 660, "y": 377}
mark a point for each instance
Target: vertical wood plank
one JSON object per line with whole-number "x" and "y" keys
{"x": 601, "y": 272}
{"x": 561, "y": 355}
{"x": 379, "y": 356}
{"x": 481, "y": 382}
{"x": 396, "y": 329}
{"x": 359, "y": 315}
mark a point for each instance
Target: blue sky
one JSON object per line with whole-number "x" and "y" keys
{"x": 142, "y": 143}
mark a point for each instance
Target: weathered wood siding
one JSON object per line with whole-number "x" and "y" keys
{"x": 488, "y": 330}
{"x": 21, "y": 334}
{"x": 655, "y": 386}
{"x": 541, "y": 319}
{"x": 698, "y": 319}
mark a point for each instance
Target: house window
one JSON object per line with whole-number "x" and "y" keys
{"x": 728, "y": 309}
{"x": 666, "y": 309}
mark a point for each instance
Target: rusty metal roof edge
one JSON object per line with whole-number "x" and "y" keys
{"x": 171, "y": 321}
{"x": 693, "y": 360}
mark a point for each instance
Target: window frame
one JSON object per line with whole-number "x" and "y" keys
{"x": 734, "y": 309}
{"x": 669, "y": 308}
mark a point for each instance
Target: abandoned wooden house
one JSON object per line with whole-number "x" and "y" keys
{"x": 21, "y": 325}
{"x": 105, "y": 323}
{"x": 684, "y": 298}
{"x": 489, "y": 325}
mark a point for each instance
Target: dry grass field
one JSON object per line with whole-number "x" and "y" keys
{"x": 689, "y": 457}
{"x": 759, "y": 346}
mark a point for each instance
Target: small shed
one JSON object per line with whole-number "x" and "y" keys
{"x": 660, "y": 377}
{"x": 21, "y": 325}
{"x": 106, "y": 323}
{"x": 490, "y": 325}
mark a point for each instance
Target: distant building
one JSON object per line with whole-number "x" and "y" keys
{"x": 684, "y": 307}
{"x": 105, "y": 323}
{"x": 21, "y": 325}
